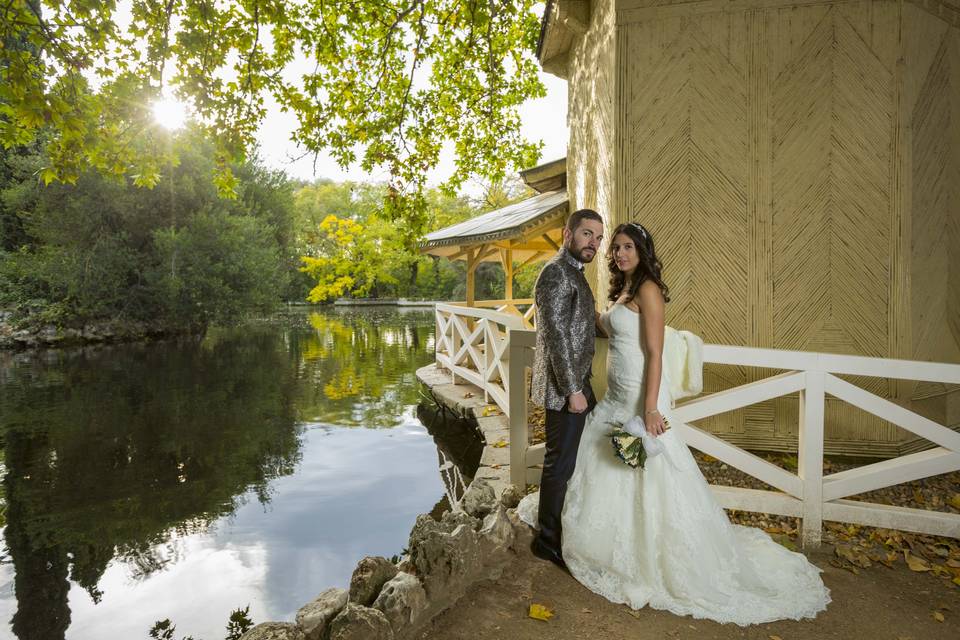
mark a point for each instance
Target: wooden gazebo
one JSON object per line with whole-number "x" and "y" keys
{"x": 524, "y": 232}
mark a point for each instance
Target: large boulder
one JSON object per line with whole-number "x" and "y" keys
{"x": 522, "y": 532}
{"x": 274, "y": 631}
{"x": 447, "y": 562}
{"x": 402, "y": 600}
{"x": 480, "y": 498}
{"x": 496, "y": 535}
{"x": 314, "y": 618}
{"x": 357, "y": 622}
{"x": 369, "y": 576}
{"x": 511, "y": 496}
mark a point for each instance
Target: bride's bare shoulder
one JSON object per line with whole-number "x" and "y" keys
{"x": 649, "y": 297}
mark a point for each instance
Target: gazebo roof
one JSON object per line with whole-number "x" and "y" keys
{"x": 527, "y": 228}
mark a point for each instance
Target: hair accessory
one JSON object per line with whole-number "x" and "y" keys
{"x": 638, "y": 227}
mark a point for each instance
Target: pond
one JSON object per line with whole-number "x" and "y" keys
{"x": 187, "y": 478}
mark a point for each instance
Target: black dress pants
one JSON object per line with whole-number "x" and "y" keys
{"x": 563, "y": 430}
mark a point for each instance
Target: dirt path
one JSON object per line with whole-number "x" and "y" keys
{"x": 878, "y": 604}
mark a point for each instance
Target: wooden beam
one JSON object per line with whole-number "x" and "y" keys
{"x": 532, "y": 258}
{"x": 550, "y": 242}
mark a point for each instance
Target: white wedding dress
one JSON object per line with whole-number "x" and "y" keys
{"x": 656, "y": 536}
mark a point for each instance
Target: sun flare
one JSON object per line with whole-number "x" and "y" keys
{"x": 170, "y": 113}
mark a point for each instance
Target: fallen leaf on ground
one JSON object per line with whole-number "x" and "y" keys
{"x": 938, "y": 616}
{"x": 540, "y": 612}
{"x": 955, "y": 501}
{"x": 954, "y": 564}
{"x": 853, "y": 555}
{"x": 775, "y": 638}
{"x": 490, "y": 410}
{"x": 915, "y": 563}
{"x": 468, "y": 394}
{"x": 499, "y": 444}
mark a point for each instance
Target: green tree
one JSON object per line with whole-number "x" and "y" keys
{"x": 178, "y": 254}
{"x": 350, "y": 248}
{"x": 390, "y": 83}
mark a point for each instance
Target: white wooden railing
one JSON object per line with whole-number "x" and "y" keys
{"x": 808, "y": 494}
{"x": 471, "y": 343}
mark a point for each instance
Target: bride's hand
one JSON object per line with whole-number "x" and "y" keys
{"x": 656, "y": 423}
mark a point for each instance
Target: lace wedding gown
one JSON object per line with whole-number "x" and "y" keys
{"x": 656, "y": 536}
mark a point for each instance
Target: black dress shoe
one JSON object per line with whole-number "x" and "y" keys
{"x": 542, "y": 551}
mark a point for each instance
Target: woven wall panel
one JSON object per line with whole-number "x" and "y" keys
{"x": 799, "y": 167}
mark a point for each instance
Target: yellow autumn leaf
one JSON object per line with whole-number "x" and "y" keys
{"x": 955, "y": 501}
{"x": 499, "y": 444}
{"x": 956, "y": 581}
{"x": 915, "y": 563}
{"x": 540, "y": 612}
{"x": 938, "y": 616}
{"x": 490, "y": 410}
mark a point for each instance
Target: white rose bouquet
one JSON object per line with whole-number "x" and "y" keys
{"x": 632, "y": 444}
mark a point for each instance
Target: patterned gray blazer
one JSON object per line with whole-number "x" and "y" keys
{"x": 565, "y": 332}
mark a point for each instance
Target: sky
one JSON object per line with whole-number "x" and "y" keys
{"x": 544, "y": 119}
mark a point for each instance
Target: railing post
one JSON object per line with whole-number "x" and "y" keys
{"x": 438, "y": 337}
{"x": 486, "y": 343}
{"x": 810, "y": 458}
{"x": 455, "y": 344}
{"x": 517, "y": 403}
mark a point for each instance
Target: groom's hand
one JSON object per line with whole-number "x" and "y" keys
{"x": 577, "y": 402}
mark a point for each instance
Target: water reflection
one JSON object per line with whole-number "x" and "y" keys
{"x": 459, "y": 448}
{"x": 139, "y": 474}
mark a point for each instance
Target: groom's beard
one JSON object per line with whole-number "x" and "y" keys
{"x": 582, "y": 254}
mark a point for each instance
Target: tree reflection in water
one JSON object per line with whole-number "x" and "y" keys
{"x": 111, "y": 452}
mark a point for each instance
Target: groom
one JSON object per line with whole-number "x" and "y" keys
{"x": 561, "y": 369}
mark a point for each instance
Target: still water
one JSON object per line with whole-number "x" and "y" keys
{"x": 188, "y": 478}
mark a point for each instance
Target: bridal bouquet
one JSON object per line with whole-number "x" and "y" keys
{"x": 632, "y": 444}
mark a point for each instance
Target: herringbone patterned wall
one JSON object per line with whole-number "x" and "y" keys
{"x": 799, "y": 167}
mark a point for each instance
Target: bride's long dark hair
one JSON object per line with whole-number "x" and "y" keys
{"x": 648, "y": 269}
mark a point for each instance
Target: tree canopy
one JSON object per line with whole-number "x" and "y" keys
{"x": 384, "y": 82}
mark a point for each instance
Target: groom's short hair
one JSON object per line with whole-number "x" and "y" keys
{"x": 579, "y": 216}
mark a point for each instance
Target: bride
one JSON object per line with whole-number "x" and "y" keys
{"x": 656, "y": 536}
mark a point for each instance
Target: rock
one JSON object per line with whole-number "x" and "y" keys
{"x": 511, "y": 496}
{"x": 496, "y": 535}
{"x": 522, "y": 532}
{"x": 274, "y": 631}
{"x": 479, "y": 499}
{"x": 402, "y": 600}
{"x": 450, "y": 520}
{"x": 446, "y": 562}
{"x": 406, "y": 565}
{"x": 357, "y": 622}
{"x": 369, "y": 576}
{"x": 314, "y": 618}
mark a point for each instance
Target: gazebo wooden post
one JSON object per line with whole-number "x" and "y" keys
{"x": 472, "y": 262}
{"x": 506, "y": 257}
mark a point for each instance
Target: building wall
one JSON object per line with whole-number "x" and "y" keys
{"x": 798, "y": 166}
